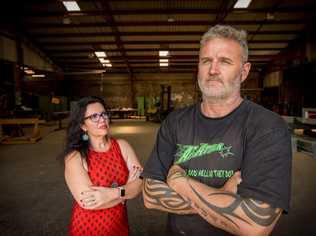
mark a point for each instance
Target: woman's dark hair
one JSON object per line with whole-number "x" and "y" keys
{"x": 74, "y": 133}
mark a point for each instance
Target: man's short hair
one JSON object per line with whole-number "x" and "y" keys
{"x": 227, "y": 32}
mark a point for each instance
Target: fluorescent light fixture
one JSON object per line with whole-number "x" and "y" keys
{"x": 107, "y": 65}
{"x": 163, "y": 53}
{"x": 164, "y": 64}
{"x": 163, "y": 60}
{"x": 100, "y": 54}
{"x": 242, "y": 4}
{"x": 102, "y": 60}
{"x": 38, "y": 76}
{"x": 71, "y": 5}
{"x": 29, "y": 72}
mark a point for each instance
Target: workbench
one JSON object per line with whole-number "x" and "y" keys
{"x": 20, "y": 136}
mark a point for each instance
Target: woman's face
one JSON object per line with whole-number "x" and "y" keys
{"x": 96, "y": 121}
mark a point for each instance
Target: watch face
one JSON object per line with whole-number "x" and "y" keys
{"x": 122, "y": 192}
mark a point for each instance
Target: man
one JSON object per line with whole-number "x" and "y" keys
{"x": 200, "y": 147}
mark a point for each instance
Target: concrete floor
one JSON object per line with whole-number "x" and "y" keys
{"x": 34, "y": 199}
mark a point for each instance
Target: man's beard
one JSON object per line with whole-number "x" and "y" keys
{"x": 210, "y": 92}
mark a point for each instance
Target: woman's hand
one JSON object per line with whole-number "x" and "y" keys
{"x": 134, "y": 173}
{"x": 97, "y": 196}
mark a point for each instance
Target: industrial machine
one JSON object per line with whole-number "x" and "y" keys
{"x": 304, "y": 131}
{"x": 162, "y": 107}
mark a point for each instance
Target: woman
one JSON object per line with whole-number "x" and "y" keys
{"x": 101, "y": 172}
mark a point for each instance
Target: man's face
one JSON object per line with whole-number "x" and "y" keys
{"x": 221, "y": 70}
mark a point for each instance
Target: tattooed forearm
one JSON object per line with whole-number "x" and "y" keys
{"x": 222, "y": 211}
{"x": 160, "y": 194}
{"x": 258, "y": 212}
{"x": 204, "y": 213}
{"x": 216, "y": 221}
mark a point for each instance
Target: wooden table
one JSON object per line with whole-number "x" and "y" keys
{"x": 18, "y": 123}
{"x": 123, "y": 113}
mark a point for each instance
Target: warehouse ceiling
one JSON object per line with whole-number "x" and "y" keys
{"x": 132, "y": 32}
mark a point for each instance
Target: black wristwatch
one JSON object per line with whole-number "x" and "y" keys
{"x": 122, "y": 191}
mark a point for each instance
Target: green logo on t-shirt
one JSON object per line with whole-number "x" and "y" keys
{"x": 188, "y": 152}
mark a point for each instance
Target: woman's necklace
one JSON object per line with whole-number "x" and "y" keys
{"x": 102, "y": 145}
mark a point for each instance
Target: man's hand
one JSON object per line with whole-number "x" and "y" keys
{"x": 232, "y": 183}
{"x": 175, "y": 175}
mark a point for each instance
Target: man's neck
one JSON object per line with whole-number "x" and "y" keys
{"x": 216, "y": 108}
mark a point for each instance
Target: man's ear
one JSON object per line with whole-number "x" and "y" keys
{"x": 245, "y": 71}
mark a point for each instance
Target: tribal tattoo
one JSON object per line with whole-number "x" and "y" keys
{"x": 259, "y": 213}
{"x": 160, "y": 194}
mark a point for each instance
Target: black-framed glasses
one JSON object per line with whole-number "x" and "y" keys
{"x": 95, "y": 117}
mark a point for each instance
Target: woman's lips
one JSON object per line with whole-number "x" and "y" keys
{"x": 103, "y": 127}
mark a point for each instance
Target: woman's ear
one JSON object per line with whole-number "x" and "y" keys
{"x": 83, "y": 127}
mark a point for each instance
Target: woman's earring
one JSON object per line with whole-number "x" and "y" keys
{"x": 85, "y": 136}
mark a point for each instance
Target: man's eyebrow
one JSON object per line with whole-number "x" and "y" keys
{"x": 221, "y": 58}
{"x": 226, "y": 58}
{"x": 201, "y": 58}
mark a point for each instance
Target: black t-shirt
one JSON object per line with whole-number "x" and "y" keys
{"x": 211, "y": 150}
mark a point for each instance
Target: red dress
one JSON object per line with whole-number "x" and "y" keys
{"x": 104, "y": 169}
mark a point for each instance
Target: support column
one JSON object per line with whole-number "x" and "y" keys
{"x": 18, "y": 73}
